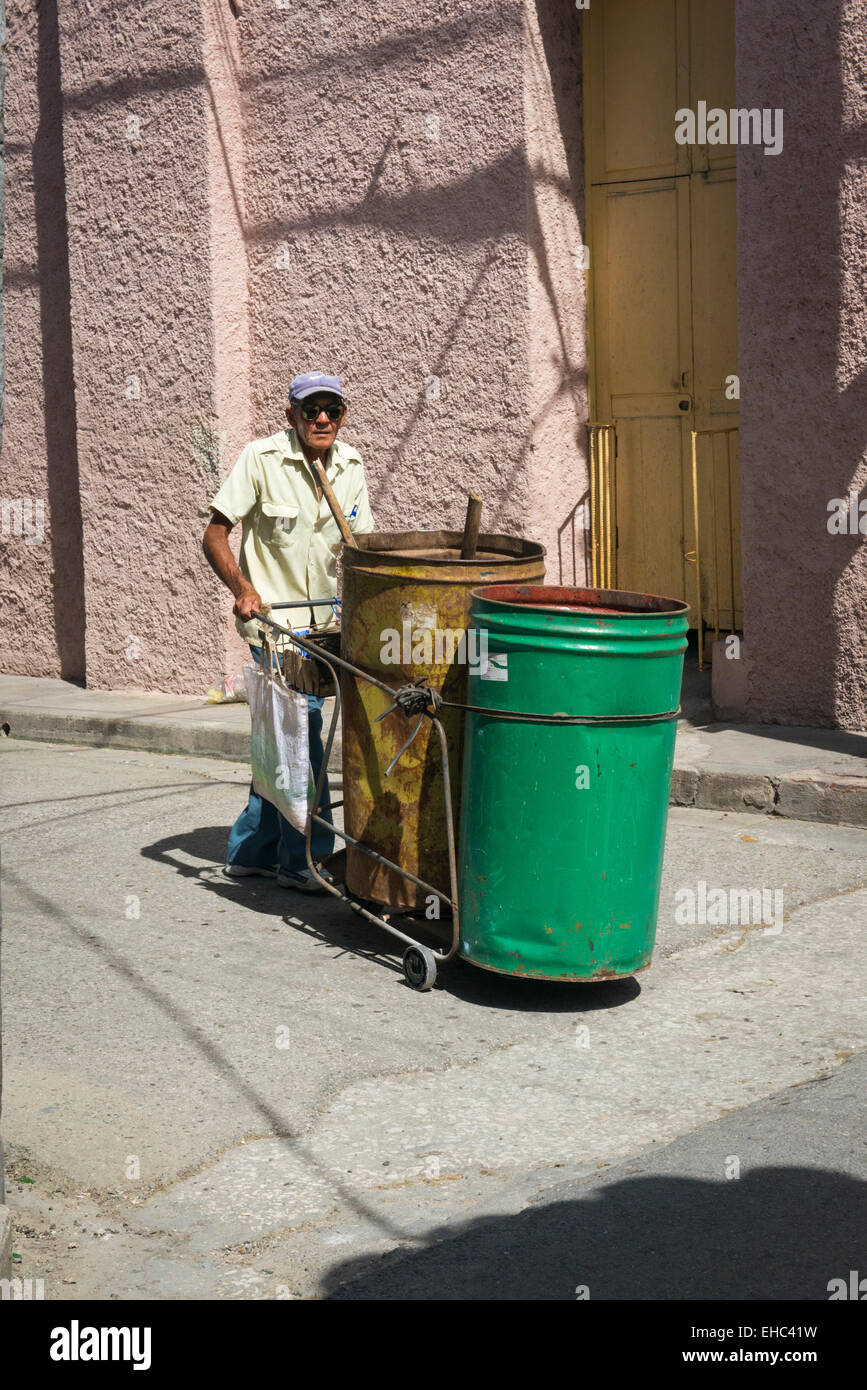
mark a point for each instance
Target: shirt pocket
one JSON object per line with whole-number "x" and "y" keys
{"x": 328, "y": 528}
{"x": 279, "y": 523}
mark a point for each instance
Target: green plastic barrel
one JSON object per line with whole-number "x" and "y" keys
{"x": 563, "y": 824}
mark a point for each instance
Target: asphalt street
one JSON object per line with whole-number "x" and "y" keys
{"x": 225, "y": 1089}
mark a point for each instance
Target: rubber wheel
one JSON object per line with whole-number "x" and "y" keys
{"x": 419, "y": 967}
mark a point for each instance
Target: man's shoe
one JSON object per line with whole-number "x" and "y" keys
{"x": 303, "y": 881}
{"x": 246, "y": 871}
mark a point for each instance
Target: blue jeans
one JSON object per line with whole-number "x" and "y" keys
{"x": 263, "y": 839}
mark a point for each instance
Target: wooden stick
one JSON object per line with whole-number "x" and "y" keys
{"x": 471, "y": 527}
{"x": 336, "y": 510}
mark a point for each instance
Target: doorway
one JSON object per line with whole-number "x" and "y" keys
{"x": 662, "y": 316}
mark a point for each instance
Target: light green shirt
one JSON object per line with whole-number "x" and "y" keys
{"x": 289, "y": 539}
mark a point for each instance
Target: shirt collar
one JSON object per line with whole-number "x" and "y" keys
{"x": 289, "y": 447}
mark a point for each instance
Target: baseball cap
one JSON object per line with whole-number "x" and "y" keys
{"x": 310, "y": 382}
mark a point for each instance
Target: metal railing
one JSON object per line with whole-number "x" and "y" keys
{"x": 602, "y": 451}
{"x": 694, "y": 556}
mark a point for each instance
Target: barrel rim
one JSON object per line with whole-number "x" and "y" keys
{"x": 372, "y": 548}
{"x": 656, "y": 605}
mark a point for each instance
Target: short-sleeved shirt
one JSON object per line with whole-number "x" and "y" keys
{"x": 289, "y": 539}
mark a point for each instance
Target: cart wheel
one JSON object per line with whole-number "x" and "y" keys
{"x": 419, "y": 967}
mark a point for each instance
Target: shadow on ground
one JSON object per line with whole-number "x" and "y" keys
{"x": 336, "y": 925}
{"x": 776, "y": 1233}
{"x": 838, "y": 741}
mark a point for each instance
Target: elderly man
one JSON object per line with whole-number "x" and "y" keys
{"x": 289, "y": 547}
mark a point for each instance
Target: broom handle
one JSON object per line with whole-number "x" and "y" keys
{"x": 336, "y": 509}
{"x": 471, "y": 527}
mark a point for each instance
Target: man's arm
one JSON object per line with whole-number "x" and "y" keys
{"x": 216, "y": 547}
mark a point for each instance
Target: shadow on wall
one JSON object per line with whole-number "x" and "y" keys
{"x": 574, "y": 560}
{"x": 61, "y": 445}
{"x": 492, "y": 208}
{"x": 850, "y": 649}
{"x": 470, "y": 212}
{"x": 777, "y": 1233}
{"x": 478, "y": 213}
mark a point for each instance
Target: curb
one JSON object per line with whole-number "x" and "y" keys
{"x": 203, "y": 739}
{"x": 813, "y": 795}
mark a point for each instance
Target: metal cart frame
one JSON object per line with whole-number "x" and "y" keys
{"x": 419, "y": 961}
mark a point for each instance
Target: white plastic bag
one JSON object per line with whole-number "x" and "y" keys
{"x": 279, "y": 748}
{"x": 233, "y": 688}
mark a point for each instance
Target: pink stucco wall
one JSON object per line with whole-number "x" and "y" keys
{"x": 556, "y": 464}
{"x": 136, "y": 153}
{"x": 42, "y": 583}
{"x": 230, "y": 298}
{"x": 397, "y": 198}
{"x": 802, "y": 227}
{"x": 404, "y": 214}
{"x": 387, "y": 223}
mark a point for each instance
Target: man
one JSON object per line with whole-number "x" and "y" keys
{"x": 289, "y": 547}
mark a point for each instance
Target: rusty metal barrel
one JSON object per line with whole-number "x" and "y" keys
{"x": 406, "y": 610}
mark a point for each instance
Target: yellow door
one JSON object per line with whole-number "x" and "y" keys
{"x": 663, "y": 308}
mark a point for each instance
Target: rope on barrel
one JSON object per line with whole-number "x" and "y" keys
{"x": 410, "y": 700}
{"x": 523, "y": 717}
{"x": 420, "y": 699}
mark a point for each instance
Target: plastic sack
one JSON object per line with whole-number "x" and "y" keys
{"x": 232, "y": 688}
{"x": 279, "y": 747}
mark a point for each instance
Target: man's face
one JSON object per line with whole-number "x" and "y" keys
{"x": 319, "y": 432}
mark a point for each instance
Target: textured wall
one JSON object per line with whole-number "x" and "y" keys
{"x": 41, "y": 581}
{"x": 802, "y": 226}
{"x": 556, "y": 394}
{"x": 415, "y": 194}
{"x": 387, "y": 198}
{"x": 414, "y": 198}
{"x": 138, "y": 198}
{"x": 394, "y": 191}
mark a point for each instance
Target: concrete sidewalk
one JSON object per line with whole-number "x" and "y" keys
{"x": 806, "y": 774}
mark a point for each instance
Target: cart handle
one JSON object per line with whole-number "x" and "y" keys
{"x": 307, "y": 603}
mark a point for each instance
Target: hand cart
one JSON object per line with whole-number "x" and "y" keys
{"x": 414, "y": 701}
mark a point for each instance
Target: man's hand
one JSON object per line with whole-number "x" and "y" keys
{"x": 222, "y": 561}
{"x": 245, "y": 603}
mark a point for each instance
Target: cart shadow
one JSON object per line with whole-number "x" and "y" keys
{"x": 316, "y": 915}
{"x": 337, "y": 926}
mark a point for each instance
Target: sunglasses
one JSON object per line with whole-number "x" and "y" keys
{"x": 312, "y": 412}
